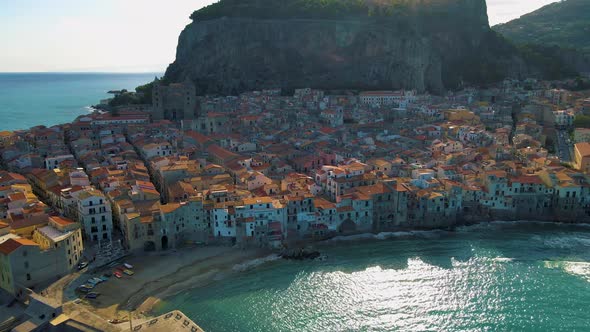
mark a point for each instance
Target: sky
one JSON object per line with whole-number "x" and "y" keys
{"x": 121, "y": 35}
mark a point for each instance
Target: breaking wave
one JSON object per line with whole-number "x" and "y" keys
{"x": 490, "y": 225}
{"x": 387, "y": 235}
{"x": 255, "y": 263}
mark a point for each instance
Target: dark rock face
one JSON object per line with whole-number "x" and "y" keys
{"x": 427, "y": 51}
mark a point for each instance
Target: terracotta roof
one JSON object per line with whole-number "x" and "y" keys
{"x": 257, "y": 200}
{"x": 16, "y": 196}
{"x": 11, "y": 245}
{"x": 170, "y": 207}
{"x": 584, "y": 149}
{"x": 221, "y": 153}
{"x": 323, "y": 204}
{"x": 529, "y": 179}
{"x": 200, "y": 138}
{"x": 62, "y": 220}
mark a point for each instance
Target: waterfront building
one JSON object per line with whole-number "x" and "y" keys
{"x": 150, "y": 226}
{"x": 261, "y": 221}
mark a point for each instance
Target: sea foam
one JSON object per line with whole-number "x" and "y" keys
{"x": 255, "y": 263}
{"x": 386, "y": 235}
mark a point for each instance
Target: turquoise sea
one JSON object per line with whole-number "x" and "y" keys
{"x": 491, "y": 277}
{"x": 31, "y": 99}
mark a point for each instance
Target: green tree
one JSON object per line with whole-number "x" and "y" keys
{"x": 582, "y": 121}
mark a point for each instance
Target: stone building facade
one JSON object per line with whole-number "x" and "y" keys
{"x": 174, "y": 102}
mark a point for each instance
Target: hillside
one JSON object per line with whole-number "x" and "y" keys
{"x": 429, "y": 45}
{"x": 565, "y": 23}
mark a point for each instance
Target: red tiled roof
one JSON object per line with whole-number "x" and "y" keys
{"x": 529, "y": 179}
{"x": 10, "y": 245}
{"x": 62, "y": 220}
{"x": 221, "y": 153}
{"x": 200, "y": 138}
{"x": 583, "y": 148}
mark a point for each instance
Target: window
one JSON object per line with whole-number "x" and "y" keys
{"x": 28, "y": 276}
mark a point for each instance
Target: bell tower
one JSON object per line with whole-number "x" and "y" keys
{"x": 157, "y": 101}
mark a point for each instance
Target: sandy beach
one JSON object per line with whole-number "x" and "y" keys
{"x": 156, "y": 276}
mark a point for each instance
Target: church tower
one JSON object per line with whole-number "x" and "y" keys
{"x": 190, "y": 103}
{"x": 157, "y": 100}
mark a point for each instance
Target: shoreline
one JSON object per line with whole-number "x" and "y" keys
{"x": 157, "y": 277}
{"x": 145, "y": 304}
{"x": 199, "y": 281}
{"x": 222, "y": 263}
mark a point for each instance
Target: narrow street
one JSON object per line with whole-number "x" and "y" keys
{"x": 564, "y": 146}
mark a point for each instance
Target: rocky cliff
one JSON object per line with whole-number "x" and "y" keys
{"x": 234, "y": 46}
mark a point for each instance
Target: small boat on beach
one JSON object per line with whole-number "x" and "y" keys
{"x": 118, "y": 274}
{"x": 129, "y": 272}
{"x": 129, "y": 266}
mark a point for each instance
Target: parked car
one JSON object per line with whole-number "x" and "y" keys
{"x": 84, "y": 289}
{"x": 82, "y": 265}
{"x": 92, "y": 295}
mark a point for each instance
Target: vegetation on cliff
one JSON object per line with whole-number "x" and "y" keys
{"x": 272, "y": 9}
{"x": 142, "y": 95}
{"x": 548, "y": 59}
{"x": 331, "y": 9}
{"x": 564, "y": 23}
